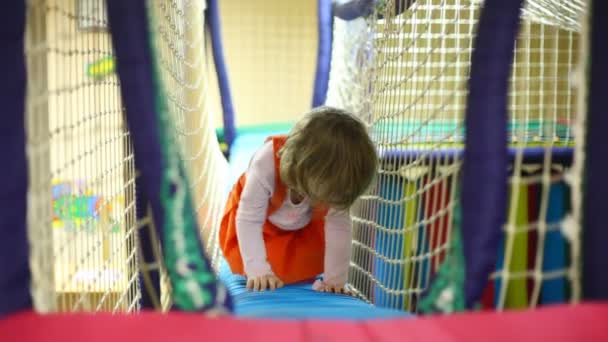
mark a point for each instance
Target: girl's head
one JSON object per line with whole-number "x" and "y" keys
{"x": 329, "y": 157}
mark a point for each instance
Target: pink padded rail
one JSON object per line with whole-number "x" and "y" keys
{"x": 586, "y": 322}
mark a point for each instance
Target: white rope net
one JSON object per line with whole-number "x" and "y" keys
{"x": 406, "y": 75}
{"x": 81, "y": 213}
{"x": 180, "y": 48}
{"x": 83, "y": 254}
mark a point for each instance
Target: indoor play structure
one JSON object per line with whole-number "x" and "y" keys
{"x": 485, "y": 221}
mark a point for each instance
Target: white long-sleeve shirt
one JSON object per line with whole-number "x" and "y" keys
{"x": 252, "y": 212}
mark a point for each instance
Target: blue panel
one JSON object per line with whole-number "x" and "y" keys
{"x": 554, "y": 290}
{"x": 325, "y": 33}
{"x": 299, "y": 301}
{"x": 424, "y": 243}
{"x": 213, "y": 21}
{"x": 389, "y": 244}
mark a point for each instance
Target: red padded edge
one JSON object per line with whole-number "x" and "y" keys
{"x": 588, "y": 322}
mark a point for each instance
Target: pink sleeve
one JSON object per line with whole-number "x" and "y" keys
{"x": 251, "y": 213}
{"x": 338, "y": 241}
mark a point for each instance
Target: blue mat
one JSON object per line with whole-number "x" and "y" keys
{"x": 299, "y": 301}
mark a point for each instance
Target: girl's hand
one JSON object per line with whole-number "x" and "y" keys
{"x": 262, "y": 283}
{"x": 320, "y": 286}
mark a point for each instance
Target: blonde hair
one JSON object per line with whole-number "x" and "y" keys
{"x": 329, "y": 157}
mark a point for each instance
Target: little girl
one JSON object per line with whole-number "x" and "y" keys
{"x": 287, "y": 218}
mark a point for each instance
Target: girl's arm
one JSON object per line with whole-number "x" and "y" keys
{"x": 251, "y": 213}
{"x": 338, "y": 242}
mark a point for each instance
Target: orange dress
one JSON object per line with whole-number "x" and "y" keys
{"x": 294, "y": 255}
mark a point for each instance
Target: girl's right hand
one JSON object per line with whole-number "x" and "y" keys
{"x": 320, "y": 286}
{"x": 262, "y": 283}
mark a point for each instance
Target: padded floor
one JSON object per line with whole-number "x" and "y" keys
{"x": 300, "y": 301}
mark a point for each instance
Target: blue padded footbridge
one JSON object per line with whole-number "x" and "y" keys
{"x": 299, "y": 301}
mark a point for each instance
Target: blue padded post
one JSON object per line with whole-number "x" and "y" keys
{"x": 595, "y": 188}
{"x": 352, "y": 9}
{"x": 14, "y": 252}
{"x": 146, "y": 242}
{"x": 424, "y": 240}
{"x": 212, "y": 20}
{"x": 325, "y": 27}
{"x": 484, "y": 173}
